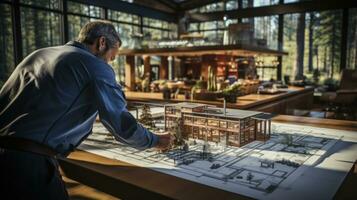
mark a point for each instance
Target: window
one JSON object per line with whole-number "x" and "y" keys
{"x": 232, "y": 5}
{"x": 173, "y": 31}
{"x": 129, "y": 35}
{"x": 154, "y": 30}
{"x": 152, "y": 22}
{"x": 352, "y": 39}
{"x": 6, "y": 42}
{"x": 212, "y": 25}
{"x": 194, "y": 27}
{"x": 79, "y": 15}
{"x": 123, "y": 17}
{"x": 75, "y": 23}
{"x": 214, "y": 32}
{"x": 258, "y": 3}
{"x": 39, "y": 29}
{"x": 313, "y": 41}
{"x": 51, "y": 4}
{"x": 83, "y": 9}
{"x": 209, "y": 8}
{"x": 153, "y": 34}
{"x": 266, "y": 31}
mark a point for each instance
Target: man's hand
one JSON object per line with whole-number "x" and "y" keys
{"x": 165, "y": 141}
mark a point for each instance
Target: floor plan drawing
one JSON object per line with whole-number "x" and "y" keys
{"x": 270, "y": 169}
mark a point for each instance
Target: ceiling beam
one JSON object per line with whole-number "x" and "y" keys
{"x": 172, "y": 4}
{"x": 305, "y": 6}
{"x": 192, "y": 4}
{"x": 162, "y": 5}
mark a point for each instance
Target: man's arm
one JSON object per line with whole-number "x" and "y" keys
{"x": 117, "y": 119}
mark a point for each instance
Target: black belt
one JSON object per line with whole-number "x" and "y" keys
{"x": 26, "y": 145}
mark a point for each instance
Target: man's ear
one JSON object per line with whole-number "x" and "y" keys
{"x": 102, "y": 43}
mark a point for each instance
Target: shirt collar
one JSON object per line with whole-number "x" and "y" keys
{"x": 78, "y": 45}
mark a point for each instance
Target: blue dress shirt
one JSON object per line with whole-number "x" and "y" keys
{"x": 54, "y": 95}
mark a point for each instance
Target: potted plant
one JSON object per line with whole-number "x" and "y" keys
{"x": 231, "y": 93}
{"x": 166, "y": 92}
{"x": 209, "y": 94}
{"x": 331, "y": 84}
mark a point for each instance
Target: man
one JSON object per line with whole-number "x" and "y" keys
{"x": 49, "y": 104}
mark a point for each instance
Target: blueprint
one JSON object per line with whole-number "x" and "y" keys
{"x": 298, "y": 162}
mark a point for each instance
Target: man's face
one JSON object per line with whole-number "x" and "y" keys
{"x": 107, "y": 54}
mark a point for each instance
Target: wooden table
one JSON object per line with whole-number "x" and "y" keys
{"x": 132, "y": 182}
{"x": 295, "y": 97}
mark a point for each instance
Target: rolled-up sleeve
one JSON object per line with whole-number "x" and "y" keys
{"x": 117, "y": 119}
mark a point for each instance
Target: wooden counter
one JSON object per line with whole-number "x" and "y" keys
{"x": 127, "y": 181}
{"x": 294, "y": 98}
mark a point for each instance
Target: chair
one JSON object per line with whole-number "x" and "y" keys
{"x": 345, "y": 97}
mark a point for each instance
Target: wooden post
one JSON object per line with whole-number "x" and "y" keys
{"x": 130, "y": 73}
{"x": 164, "y": 64}
{"x": 147, "y": 67}
{"x": 255, "y": 129}
{"x": 206, "y": 61}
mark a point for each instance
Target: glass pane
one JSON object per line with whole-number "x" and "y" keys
{"x": 39, "y": 29}
{"x": 152, "y": 22}
{"x": 173, "y": 30}
{"x": 213, "y": 37}
{"x": 88, "y": 10}
{"x": 165, "y": 25}
{"x": 152, "y": 34}
{"x": 95, "y": 11}
{"x": 52, "y": 4}
{"x": 74, "y": 7}
{"x": 124, "y": 17}
{"x": 232, "y": 5}
{"x": 212, "y": 7}
{"x": 258, "y": 3}
{"x": 313, "y": 43}
{"x": 352, "y": 40}
{"x": 194, "y": 27}
{"x": 118, "y": 66}
{"x": 129, "y": 34}
{"x": 209, "y": 25}
{"x": 266, "y": 31}
{"x": 75, "y": 23}
{"x": 6, "y": 41}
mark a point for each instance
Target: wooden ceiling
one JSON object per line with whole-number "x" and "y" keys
{"x": 174, "y": 6}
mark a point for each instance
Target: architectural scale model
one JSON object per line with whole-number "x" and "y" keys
{"x": 297, "y": 162}
{"x": 235, "y": 128}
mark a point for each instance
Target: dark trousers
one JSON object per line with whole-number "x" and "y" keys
{"x": 25, "y": 175}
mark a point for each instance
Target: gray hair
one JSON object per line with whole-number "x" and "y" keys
{"x": 95, "y": 29}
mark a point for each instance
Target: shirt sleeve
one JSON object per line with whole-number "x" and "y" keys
{"x": 117, "y": 119}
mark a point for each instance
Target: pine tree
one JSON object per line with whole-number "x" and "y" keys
{"x": 146, "y": 117}
{"x": 250, "y": 176}
{"x": 328, "y": 37}
{"x": 311, "y": 40}
{"x": 178, "y": 132}
{"x": 300, "y": 46}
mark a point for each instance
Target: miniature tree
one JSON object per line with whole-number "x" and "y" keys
{"x": 250, "y": 177}
{"x": 185, "y": 147}
{"x": 205, "y": 150}
{"x": 288, "y": 140}
{"x": 146, "y": 117}
{"x": 177, "y": 132}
